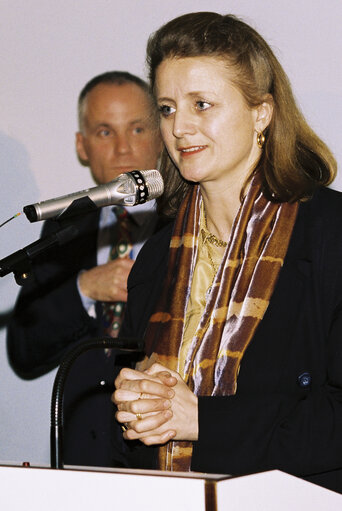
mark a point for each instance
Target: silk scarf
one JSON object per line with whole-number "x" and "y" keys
{"x": 239, "y": 298}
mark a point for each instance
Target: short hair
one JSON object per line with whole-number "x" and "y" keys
{"x": 111, "y": 78}
{"x": 294, "y": 160}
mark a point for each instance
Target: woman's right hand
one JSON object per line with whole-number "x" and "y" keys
{"x": 157, "y": 405}
{"x": 144, "y": 403}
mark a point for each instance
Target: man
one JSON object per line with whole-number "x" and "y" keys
{"x": 117, "y": 134}
{"x": 71, "y": 288}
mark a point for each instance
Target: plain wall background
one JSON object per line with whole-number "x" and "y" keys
{"x": 48, "y": 51}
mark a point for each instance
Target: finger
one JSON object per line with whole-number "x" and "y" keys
{"x": 159, "y": 368}
{"x": 122, "y": 395}
{"x": 129, "y": 374}
{"x": 166, "y": 375}
{"x": 144, "y": 405}
{"x": 149, "y": 405}
{"x": 148, "y": 387}
{"x": 167, "y": 379}
{"x": 124, "y": 416}
{"x": 144, "y": 427}
{"x": 158, "y": 439}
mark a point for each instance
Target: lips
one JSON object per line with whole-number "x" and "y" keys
{"x": 188, "y": 151}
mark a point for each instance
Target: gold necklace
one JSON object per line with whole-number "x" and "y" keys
{"x": 210, "y": 237}
{"x": 214, "y": 266}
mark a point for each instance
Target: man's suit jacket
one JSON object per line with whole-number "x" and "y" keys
{"x": 287, "y": 411}
{"x": 49, "y": 316}
{"x": 48, "y": 320}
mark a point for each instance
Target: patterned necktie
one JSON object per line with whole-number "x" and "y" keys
{"x": 113, "y": 311}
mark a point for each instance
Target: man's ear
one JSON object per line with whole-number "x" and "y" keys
{"x": 264, "y": 113}
{"x": 80, "y": 147}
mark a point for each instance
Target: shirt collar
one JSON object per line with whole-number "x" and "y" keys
{"x": 140, "y": 213}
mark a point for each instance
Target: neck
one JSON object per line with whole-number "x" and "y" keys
{"x": 220, "y": 210}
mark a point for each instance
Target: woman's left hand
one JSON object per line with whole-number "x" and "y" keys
{"x": 154, "y": 417}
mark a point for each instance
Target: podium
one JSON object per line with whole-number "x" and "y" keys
{"x": 73, "y": 489}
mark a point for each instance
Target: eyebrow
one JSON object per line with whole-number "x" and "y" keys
{"x": 191, "y": 94}
{"x": 104, "y": 124}
{"x": 107, "y": 125}
{"x": 137, "y": 121}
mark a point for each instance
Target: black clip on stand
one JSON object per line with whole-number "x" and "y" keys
{"x": 20, "y": 261}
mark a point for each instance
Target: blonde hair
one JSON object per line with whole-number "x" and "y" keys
{"x": 294, "y": 160}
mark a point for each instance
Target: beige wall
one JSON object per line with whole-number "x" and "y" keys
{"x": 49, "y": 49}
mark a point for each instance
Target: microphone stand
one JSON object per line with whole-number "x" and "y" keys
{"x": 121, "y": 345}
{"x": 20, "y": 261}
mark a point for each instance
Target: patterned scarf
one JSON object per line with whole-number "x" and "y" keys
{"x": 238, "y": 301}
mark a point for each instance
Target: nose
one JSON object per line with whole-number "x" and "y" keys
{"x": 183, "y": 124}
{"x": 122, "y": 144}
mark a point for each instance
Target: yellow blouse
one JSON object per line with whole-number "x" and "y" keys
{"x": 208, "y": 260}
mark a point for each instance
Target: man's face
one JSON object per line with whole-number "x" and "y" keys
{"x": 119, "y": 134}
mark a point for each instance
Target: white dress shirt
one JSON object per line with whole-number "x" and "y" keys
{"x": 145, "y": 218}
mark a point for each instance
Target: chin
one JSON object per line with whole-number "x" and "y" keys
{"x": 193, "y": 177}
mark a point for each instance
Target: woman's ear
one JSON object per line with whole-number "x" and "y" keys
{"x": 264, "y": 113}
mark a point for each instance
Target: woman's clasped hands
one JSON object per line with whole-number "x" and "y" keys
{"x": 155, "y": 406}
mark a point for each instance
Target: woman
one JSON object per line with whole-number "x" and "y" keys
{"x": 239, "y": 300}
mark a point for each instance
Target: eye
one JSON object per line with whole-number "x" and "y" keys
{"x": 203, "y": 105}
{"x": 166, "y": 110}
{"x": 104, "y": 132}
{"x": 138, "y": 129}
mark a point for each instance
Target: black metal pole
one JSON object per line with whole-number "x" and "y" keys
{"x": 121, "y": 345}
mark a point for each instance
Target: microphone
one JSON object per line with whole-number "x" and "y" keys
{"x": 129, "y": 189}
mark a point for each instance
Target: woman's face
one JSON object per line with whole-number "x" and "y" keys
{"x": 208, "y": 129}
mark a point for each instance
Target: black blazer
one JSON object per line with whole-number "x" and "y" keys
{"x": 287, "y": 412}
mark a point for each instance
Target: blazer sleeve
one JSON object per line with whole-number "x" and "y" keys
{"x": 297, "y": 432}
{"x": 49, "y": 317}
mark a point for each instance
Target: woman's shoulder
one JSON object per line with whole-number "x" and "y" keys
{"x": 152, "y": 258}
{"x": 326, "y": 204}
{"x": 318, "y": 225}
{"x": 328, "y": 196}
{"x": 160, "y": 240}
{"x": 320, "y": 219}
